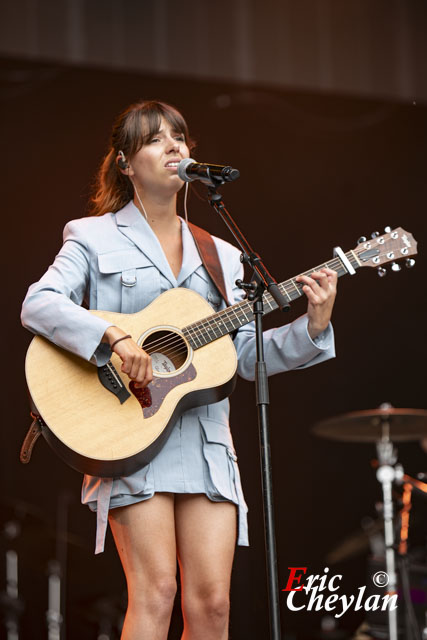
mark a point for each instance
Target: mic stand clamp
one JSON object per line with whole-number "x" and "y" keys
{"x": 262, "y": 280}
{"x": 249, "y": 287}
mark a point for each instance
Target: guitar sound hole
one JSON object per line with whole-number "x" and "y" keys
{"x": 167, "y": 349}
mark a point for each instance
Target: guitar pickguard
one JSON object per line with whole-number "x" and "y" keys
{"x": 152, "y": 396}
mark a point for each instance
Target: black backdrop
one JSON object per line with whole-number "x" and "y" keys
{"x": 316, "y": 171}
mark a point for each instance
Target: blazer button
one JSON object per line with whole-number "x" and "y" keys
{"x": 128, "y": 280}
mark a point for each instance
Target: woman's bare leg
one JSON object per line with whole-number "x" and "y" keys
{"x": 206, "y": 539}
{"x": 144, "y": 534}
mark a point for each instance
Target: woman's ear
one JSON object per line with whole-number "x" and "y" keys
{"x": 122, "y": 163}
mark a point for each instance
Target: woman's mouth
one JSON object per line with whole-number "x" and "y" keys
{"x": 172, "y": 164}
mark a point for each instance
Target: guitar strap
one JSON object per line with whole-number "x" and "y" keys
{"x": 208, "y": 253}
{"x": 33, "y": 434}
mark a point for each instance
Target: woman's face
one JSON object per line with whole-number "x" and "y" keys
{"x": 154, "y": 167}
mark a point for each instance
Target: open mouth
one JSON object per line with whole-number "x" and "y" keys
{"x": 173, "y": 164}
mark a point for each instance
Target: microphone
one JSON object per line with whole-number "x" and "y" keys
{"x": 189, "y": 170}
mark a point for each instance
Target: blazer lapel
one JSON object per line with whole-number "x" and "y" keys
{"x": 133, "y": 225}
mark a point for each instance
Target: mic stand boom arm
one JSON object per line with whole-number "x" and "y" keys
{"x": 262, "y": 281}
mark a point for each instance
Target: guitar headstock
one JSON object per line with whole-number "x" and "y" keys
{"x": 396, "y": 244}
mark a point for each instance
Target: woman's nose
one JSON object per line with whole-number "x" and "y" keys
{"x": 173, "y": 144}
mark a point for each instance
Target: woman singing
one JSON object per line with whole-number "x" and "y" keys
{"x": 187, "y": 504}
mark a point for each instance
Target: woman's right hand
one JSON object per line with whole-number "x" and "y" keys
{"x": 136, "y": 362}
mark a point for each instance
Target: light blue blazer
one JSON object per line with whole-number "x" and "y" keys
{"x": 115, "y": 262}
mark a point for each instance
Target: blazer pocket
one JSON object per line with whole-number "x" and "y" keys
{"x": 138, "y": 484}
{"x": 127, "y": 281}
{"x": 220, "y": 456}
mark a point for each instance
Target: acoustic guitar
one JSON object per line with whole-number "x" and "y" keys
{"x": 100, "y": 424}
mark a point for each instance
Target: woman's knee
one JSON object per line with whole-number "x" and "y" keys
{"x": 217, "y": 607}
{"x": 208, "y": 607}
{"x": 158, "y": 596}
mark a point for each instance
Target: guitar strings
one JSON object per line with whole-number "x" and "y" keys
{"x": 203, "y": 329}
{"x": 174, "y": 344}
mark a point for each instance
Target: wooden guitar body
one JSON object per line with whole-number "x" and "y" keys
{"x": 89, "y": 426}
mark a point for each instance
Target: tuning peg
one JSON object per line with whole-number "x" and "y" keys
{"x": 375, "y": 234}
{"x": 381, "y": 272}
{"x": 395, "y": 266}
{"x": 409, "y": 262}
{"x": 361, "y": 239}
{"x": 387, "y": 229}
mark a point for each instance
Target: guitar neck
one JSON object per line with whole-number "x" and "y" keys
{"x": 228, "y": 320}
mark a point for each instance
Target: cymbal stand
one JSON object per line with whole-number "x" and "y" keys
{"x": 387, "y": 473}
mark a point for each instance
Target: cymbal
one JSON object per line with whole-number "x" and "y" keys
{"x": 402, "y": 425}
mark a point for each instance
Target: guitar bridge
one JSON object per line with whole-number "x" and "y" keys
{"x": 111, "y": 380}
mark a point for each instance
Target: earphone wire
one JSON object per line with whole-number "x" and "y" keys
{"x": 139, "y": 199}
{"x": 185, "y": 201}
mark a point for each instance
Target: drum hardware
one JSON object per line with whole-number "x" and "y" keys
{"x": 26, "y": 524}
{"x": 54, "y": 616}
{"x": 11, "y": 603}
{"x": 382, "y": 426}
{"x": 16, "y": 514}
{"x": 387, "y": 473}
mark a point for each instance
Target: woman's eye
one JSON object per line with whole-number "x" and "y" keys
{"x": 154, "y": 140}
{"x": 180, "y": 137}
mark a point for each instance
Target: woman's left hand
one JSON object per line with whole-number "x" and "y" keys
{"x": 320, "y": 288}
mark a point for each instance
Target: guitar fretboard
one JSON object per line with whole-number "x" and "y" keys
{"x": 228, "y": 320}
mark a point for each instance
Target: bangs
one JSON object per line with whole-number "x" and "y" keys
{"x": 152, "y": 120}
{"x": 142, "y": 121}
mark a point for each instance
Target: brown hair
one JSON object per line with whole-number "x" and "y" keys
{"x": 133, "y": 128}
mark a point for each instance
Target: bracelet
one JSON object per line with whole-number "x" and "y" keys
{"x": 118, "y": 340}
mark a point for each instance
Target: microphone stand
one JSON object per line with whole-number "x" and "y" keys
{"x": 262, "y": 281}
